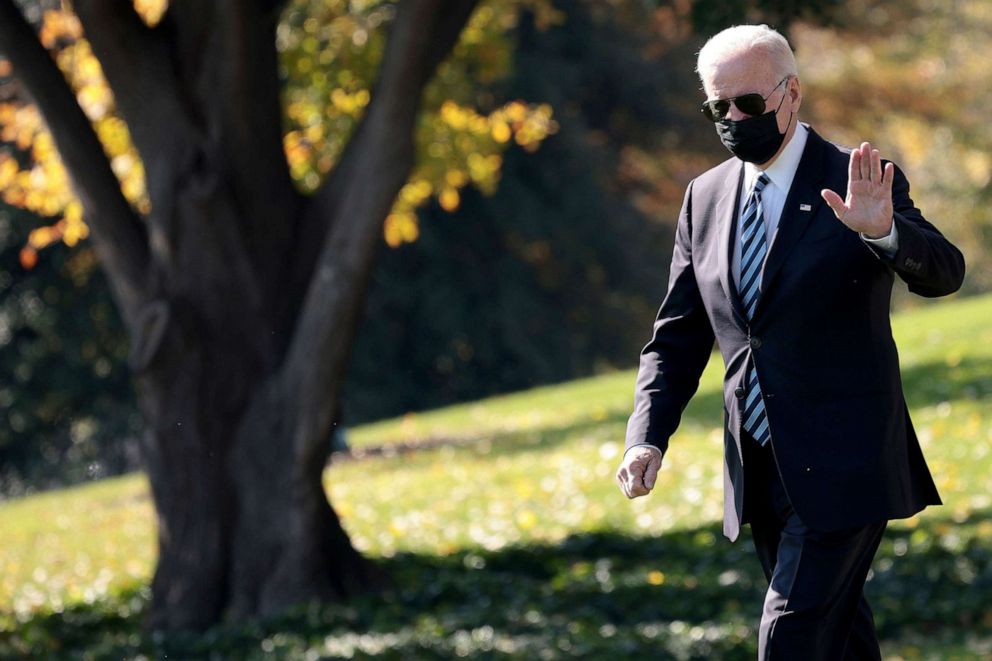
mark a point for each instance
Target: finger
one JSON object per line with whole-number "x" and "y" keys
{"x": 865, "y": 160}
{"x": 834, "y": 201}
{"x": 622, "y": 482}
{"x": 854, "y": 167}
{"x": 651, "y": 474}
{"x": 635, "y": 477}
{"x": 876, "y": 166}
{"x": 635, "y": 490}
{"x": 888, "y": 175}
{"x": 635, "y": 471}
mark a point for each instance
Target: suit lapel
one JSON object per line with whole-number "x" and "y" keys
{"x": 801, "y": 205}
{"x": 726, "y": 213}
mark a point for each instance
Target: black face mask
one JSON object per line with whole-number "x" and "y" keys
{"x": 755, "y": 139}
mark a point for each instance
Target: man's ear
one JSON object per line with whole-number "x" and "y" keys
{"x": 795, "y": 93}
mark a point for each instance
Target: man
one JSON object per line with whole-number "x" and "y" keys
{"x": 793, "y": 281}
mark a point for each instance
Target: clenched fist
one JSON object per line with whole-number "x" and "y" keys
{"x": 639, "y": 470}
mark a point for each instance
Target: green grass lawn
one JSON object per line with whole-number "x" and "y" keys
{"x": 515, "y": 541}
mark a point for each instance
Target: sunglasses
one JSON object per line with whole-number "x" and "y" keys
{"x": 752, "y": 104}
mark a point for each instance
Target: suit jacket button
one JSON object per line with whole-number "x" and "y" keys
{"x": 739, "y": 392}
{"x": 755, "y": 342}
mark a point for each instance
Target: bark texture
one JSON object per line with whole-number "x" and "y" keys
{"x": 238, "y": 350}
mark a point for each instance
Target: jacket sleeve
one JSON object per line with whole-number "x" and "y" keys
{"x": 673, "y": 361}
{"x": 930, "y": 264}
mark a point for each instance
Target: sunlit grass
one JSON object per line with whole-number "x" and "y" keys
{"x": 75, "y": 545}
{"x": 534, "y": 470}
{"x": 539, "y": 409}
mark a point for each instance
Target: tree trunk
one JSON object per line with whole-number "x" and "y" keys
{"x": 241, "y": 299}
{"x": 245, "y": 527}
{"x": 291, "y": 549}
{"x": 185, "y": 460}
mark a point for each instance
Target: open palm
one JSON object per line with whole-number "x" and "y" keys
{"x": 868, "y": 205}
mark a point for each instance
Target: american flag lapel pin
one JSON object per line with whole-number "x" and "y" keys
{"x": 805, "y": 207}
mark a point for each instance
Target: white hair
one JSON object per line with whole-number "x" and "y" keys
{"x": 743, "y": 38}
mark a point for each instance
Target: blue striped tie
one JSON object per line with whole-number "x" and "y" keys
{"x": 753, "y": 249}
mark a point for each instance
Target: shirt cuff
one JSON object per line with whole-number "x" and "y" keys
{"x": 887, "y": 244}
{"x": 644, "y": 445}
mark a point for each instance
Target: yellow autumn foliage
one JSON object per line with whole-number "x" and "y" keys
{"x": 457, "y": 145}
{"x": 42, "y": 184}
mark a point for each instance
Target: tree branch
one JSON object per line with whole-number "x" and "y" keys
{"x": 134, "y": 58}
{"x": 374, "y": 167}
{"x": 232, "y": 78}
{"x": 271, "y": 8}
{"x": 119, "y": 236}
{"x": 201, "y": 93}
{"x": 137, "y": 63}
{"x": 423, "y": 34}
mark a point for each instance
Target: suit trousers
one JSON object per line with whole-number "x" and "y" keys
{"x": 815, "y": 606}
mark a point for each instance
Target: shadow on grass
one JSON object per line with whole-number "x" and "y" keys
{"x": 681, "y": 595}
{"x": 705, "y": 411}
{"x": 925, "y": 384}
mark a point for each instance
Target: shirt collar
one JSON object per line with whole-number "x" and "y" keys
{"x": 783, "y": 170}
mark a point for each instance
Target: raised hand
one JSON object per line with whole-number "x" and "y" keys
{"x": 868, "y": 205}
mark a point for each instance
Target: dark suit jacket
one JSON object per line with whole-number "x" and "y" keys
{"x": 820, "y": 338}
